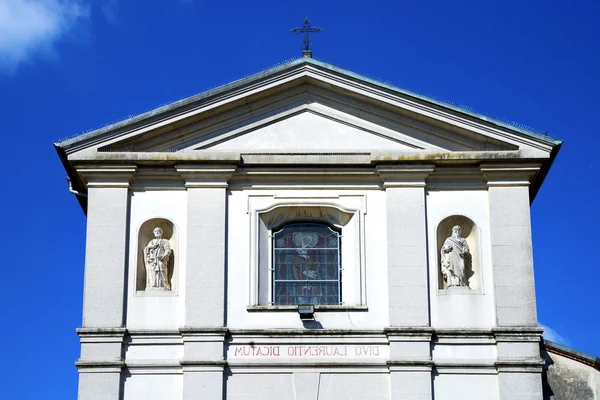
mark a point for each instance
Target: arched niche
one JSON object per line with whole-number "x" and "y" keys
{"x": 470, "y": 232}
{"x": 145, "y": 235}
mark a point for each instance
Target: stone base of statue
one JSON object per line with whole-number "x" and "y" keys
{"x": 157, "y": 289}
{"x": 458, "y": 290}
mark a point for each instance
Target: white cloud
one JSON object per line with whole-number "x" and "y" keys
{"x": 553, "y": 336}
{"x": 31, "y": 27}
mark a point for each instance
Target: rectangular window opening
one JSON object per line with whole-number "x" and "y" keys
{"x": 306, "y": 265}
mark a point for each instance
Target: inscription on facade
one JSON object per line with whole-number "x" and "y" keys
{"x": 306, "y": 351}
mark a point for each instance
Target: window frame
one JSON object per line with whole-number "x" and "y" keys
{"x": 345, "y": 213}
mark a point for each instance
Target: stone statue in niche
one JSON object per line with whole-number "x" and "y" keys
{"x": 156, "y": 258}
{"x": 453, "y": 254}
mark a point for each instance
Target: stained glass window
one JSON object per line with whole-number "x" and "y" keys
{"x": 306, "y": 265}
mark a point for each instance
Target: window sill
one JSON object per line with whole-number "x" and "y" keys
{"x": 460, "y": 291}
{"x": 317, "y": 308}
{"x": 156, "y": 293}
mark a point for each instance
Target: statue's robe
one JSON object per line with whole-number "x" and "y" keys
{"x": 157, "y": 249}
{"x": 454, "y": 261}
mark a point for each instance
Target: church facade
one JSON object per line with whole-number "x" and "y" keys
{"x": 309, "y": 233}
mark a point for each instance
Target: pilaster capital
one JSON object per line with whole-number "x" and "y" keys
{"x": 498, "y": 175}
{"x": 109, "y": 176}
{"x": 205, "y": 176}
{"x": 404, "y": 175}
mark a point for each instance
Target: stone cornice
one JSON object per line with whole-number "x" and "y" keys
{"x": 526, "y": 333}
{"x": 502, "y": 175}
{"x": 205, "y": 176}
{"x": 404, "y": 175}
{"x": 101, "y": 332}
{"x": 521, "y": 334}
{"x": 214, "y": 363}
{"x": 100, "y": 366}
{"x": 307, "y": 177}
{"x": 414, "y": 331}
{"x": 203, "y": 334}
{"x": 303, "y": 332}
{"x": 107, "y": 176}
{"x": 520, "y": 365}
{"x": 204, "y": 173}
{"x": 453, "y": 177}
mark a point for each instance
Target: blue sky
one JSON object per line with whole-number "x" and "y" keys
{"x": 68, "y": 66}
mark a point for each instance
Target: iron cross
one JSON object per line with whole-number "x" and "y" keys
{"x": 306, "y": 29}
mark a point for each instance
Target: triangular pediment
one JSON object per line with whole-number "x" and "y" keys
{"x": 307, "y": 120}
{"x": 307, "y": 106}
{"x": 311, "y": 131}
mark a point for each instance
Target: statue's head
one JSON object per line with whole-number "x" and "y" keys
{"x": 157, "y": 232}
{"x": 456, "y": 231}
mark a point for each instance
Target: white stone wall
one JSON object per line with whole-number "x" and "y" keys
{"x": 468, "y": 308}
{"x": 568, "y": 378}
{"x": 306, "y": 135}
{"x": 372, "y": 275}
{"x": 157, "y": 310}
{"x": 156, "y": 385}
{"x": 398, "y": 335}
{"x": 466, "y": 385}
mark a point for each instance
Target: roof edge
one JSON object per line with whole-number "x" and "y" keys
{"x": 431, "y": 100}
{"x": 287, "y": 65}
{"x": 573, "y": 354}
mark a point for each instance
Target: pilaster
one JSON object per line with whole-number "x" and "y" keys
{"x": 203, "y": 362}
{"x": 510, "y": 231}
{"x": 519, "y": 364}
{"x": 106, "y": 245}
{"x": 102, "y": 334}
{"x": 407, "y": 243}
{"x": 100, "y": 363}
{"x": 204, "y": 331}
{"x": 410, "y": 362}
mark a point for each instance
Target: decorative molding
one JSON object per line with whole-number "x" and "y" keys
{"x": 303, "y": 177}
{"x": 205, "y": 176}
{"x": 100, "y": 366}
{"x": 404, "y": 175}
{"x": 211, "y": 363}
{"x": 321, "y": 308}
{"x": 501, "y": 175}
{"x": 157, "y": 178}
{"x": 154, "y": 367}
{"x": 107, "y": 176}
{"x": 446, "y": 177}
{"x": 101, "y": 331}
{"x": 303, "y": 332}
{"x": 518, "y": 334}
{"x": 290, "y": 157}
{"x": 520, "y": 365}
{"x": 417, "y": 331}
{"x": 154, "y": 332}
{"x": 410, "y": 363}
{"x": 193, "y": 331}
{"x": 353, "y": 205}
